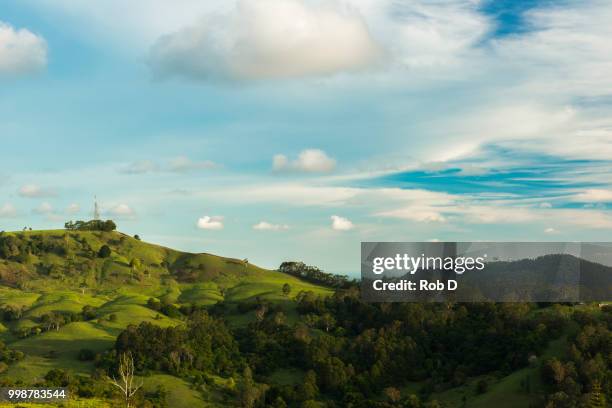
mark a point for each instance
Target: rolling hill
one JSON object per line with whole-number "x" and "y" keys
{"x": 45, "y": 273}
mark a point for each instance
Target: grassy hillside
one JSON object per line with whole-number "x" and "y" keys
{"x": 43, "y": 273}
{"x": 47, "y": 260}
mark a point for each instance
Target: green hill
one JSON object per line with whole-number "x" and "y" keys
{"x": 44, "y": 261}
{"x": 59, "y": 272}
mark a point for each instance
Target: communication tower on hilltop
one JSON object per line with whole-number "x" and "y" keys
{"x": 96, "y": 209}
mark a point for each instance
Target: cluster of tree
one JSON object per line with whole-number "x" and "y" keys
{"x": 584, "y": 377}
{"x": 167, "y": 308}
{"x": 92, "y": 225}
{"x": 21, "y": 248}
{"x": 55, "y": 320}
{"x": 9, "y": 313}
{"x": 204, "y": 344}
{"x": 8, "y": 356}
{"x": 315, "y": 275}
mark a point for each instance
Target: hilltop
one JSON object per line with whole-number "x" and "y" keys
{"x": 96, "y": 262}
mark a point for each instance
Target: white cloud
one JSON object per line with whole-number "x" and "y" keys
{"x": 35, "y": 191}
{"x": 44, "y": 208}
{"x": 341, "y": 223}
{"x": 21, "y": 51}
{"x": 308, "y": 161}
{"x": 262, "y": 39}
{"x": 183, "y": 164}
{"x": 73, "y": 209}
{"x": 140, "y": 167}
{"x": 210, "y": 223}
{"x": 122, "y": 210}
{"x": 266, "y": 226}
{"x": 594, "y": 196}
{"x": 550, "y": 230}
{"x": 8, "y": 211}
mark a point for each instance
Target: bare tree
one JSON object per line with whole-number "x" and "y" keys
{"x": 126, "y": 378}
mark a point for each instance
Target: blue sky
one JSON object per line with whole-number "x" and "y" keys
{"x": 295, "y": 129}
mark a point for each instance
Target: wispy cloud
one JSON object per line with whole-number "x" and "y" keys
{"x": 121, "y": 210}
{"x": 8, "y": 211}
{"x": 267, "y": 226}
{"x": 179, "y": 164}
{"x": 35, "y": 191}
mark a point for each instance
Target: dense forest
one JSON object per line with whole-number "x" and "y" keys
{"x": 361, "y": 355}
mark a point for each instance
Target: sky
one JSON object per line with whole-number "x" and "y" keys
{"x": 296, "y": 129}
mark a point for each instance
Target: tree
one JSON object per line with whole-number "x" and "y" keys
{"x": 393, "y": 394}
{"x": 596, "y": 398}
{"x": 125, "y": 383}
{"x": 328, "y": 321}
{"x": 482, "y": 386}
{"x": 104, "y": 251}
{"x": 553, "y": 371}
{"x": 260, "y": 312}
{"x": 248, "y": 391}
{"x": 135, "y": 264}
{"x": 279, "y": 318}
{"x": 309, "y": 389}
{"x": 286, "y": 289}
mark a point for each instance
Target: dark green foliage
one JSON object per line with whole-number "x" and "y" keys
{"x": 584, "y": 375}
{"x": 92, "y": 225}
{"x": 104, "y": 251}
{"x": 205, "y": 344}
{"x": 88, "y": 312}
{"x": 314, "y": 274}
{"x": 482, "y": 386}
{"x": 86, "y": 355}
{"x": 9, "y": 356}
{"x": 57, "y": 378}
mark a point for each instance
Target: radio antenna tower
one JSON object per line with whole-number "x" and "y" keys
{"x": 96, "y": 209}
